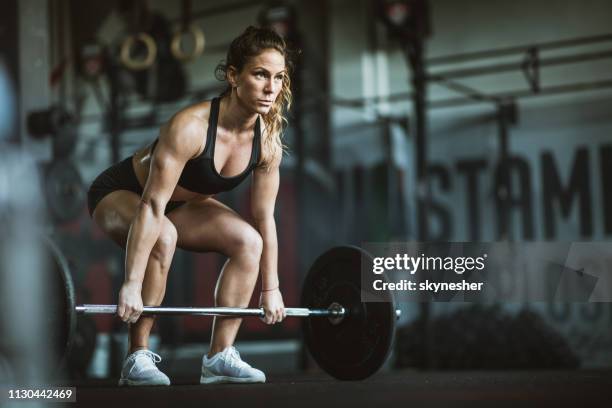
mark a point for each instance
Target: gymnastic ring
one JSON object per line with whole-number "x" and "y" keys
{"x": 126, "y": 48}
{"x": 199, "y": 42}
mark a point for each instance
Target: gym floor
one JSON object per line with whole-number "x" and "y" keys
{"x": 407, "y": 388}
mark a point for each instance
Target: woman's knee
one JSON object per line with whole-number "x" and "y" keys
{"x": 247, "y": 244}
{"x": 164, "y": 247}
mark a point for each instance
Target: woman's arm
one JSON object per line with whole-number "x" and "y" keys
{"x": 178, "y": 143}
{"x": 263, "y": 199}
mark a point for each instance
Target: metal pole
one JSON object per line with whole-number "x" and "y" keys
{"x": 333, "y": 311}
{"x": 114, "y": 116}
{"x": 503, "y": 186}
{"x": 516, "y": 66}
{"x": 448, "y": 59}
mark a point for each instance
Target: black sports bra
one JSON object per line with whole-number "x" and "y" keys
{"x": 200, "y": 175}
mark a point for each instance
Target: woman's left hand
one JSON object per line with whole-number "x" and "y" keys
{"x": 272, "y": 303}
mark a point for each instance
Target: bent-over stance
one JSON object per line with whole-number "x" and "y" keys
{"x": 162, "y": 197}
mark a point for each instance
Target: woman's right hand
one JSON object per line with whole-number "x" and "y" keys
{"x": 129, "y": 307}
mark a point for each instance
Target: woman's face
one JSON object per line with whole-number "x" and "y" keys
{"x": 260, "y": 81}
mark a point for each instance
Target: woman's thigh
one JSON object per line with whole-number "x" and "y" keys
{"x": 115, "y": 213}
{"x": 210, "y": 225}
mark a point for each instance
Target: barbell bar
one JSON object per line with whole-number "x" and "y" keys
{"x": 333, "y": 311}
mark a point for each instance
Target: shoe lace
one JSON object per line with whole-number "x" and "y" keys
{"x": 233, "y": 358}
{"x": 155, "y": 358}
{"x": 144, "y": 360}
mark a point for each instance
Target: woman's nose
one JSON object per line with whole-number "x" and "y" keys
{"x": 270, "y": 86}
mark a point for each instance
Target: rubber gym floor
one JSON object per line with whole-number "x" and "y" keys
{"x": 581, "y": 388}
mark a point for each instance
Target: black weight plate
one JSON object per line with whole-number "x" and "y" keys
{"x": 46, "y": 122}
{"x": 359, "y": 345}
{"x": 83, "y": 345}
{"x": 64, "y": 190}
{"x": 60, "y": 318}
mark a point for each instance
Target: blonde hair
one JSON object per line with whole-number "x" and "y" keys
{"x": 251, "y": 43}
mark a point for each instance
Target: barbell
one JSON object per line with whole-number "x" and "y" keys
{"x": 348, "y": 338}
{"x": 335, "y": 311}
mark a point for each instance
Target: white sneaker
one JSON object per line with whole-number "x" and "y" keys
{"x": 228, "y": 367}
{"x": 139, "y": 369}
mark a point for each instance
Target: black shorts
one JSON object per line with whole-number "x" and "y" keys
{"x": 120, "y": 176}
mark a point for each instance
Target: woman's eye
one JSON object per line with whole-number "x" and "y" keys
{"x": 260, "y": 74}
{"x": 279, "y": 78}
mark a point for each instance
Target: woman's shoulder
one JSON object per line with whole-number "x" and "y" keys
{"x": 193, "y": 114}
{"x": 187, "y": 125}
